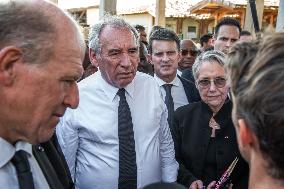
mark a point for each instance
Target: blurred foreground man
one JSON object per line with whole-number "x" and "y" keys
{"x": 256, "y": 76}
{"x": 39, "y": 67}
{"x": 118, "y": 137}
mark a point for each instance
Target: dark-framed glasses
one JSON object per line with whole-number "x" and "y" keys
{"x": 219, "y": 82}
{"x": 186, "y": 52}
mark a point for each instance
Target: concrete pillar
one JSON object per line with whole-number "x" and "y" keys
{"x": 248, "y": 21}
{"x": 280, "y": 17}
{"x": 107, "y": 6}
{"x": 160, "y": 19}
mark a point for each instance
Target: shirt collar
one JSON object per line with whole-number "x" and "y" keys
{"x": 160, "y": 82}
{"x": 8, "y": 150}
{"x": 111, "y": 91}
{"x": 179, "y": 72}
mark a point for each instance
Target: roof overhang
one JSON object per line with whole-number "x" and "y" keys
{"x": 211, "y": 6}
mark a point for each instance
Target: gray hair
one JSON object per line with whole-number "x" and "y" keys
{"x": 28, "y": 29}
{"x": 108, "y": 20}
{"x": 209, "y": 56}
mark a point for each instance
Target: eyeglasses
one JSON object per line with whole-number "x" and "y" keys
{"x": 218, "y": 82}
{"x": 191, "y": 52}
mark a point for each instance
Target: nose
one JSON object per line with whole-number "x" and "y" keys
{"x": 71, "y": 98}
{"x": 165, "y": 57}
{"x": 125, "y": 60}
{"x": 229, "y": 43}
{"x": 212, "y": 86}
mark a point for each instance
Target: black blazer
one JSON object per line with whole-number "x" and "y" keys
{"x": 188, "y": 75}
{"x": 191, "y": 92}
{"x": 53, "y": 164}
{"x": 191, "y": 134}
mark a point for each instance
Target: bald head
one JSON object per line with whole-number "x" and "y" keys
{"x": 34, "y": 27}
{"x": 187, "y": 43}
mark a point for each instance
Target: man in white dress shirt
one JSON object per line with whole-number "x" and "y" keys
{"x": 88, "y": 135}
{"x": 38, "y": 71}
{"x": 164, "y": 53}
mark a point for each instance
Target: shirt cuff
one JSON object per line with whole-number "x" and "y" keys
{"x": 169, "y": 173}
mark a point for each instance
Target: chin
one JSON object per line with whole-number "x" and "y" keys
{"x": 46, "y": 136}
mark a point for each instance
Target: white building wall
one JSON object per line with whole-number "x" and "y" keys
{"x": 143, "y": 19}
{"x": 92, "y": 16}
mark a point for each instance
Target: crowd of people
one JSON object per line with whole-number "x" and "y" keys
{"x": 209, "y": 117}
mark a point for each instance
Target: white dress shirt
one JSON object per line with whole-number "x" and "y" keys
{"x": 8, "y": 175}
{"x": 178, "y": 93}
{"x": 179, "y": 72}
{"x": 88, "y": 135}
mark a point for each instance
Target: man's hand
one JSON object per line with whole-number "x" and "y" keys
{"x": 198, "y": 184}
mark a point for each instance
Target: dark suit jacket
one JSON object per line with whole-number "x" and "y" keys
{"x": 191, "y": 134}
{"x": 191, "y": 92}
{"x": 53, "y": 165}
{"x": 187, "y": 74}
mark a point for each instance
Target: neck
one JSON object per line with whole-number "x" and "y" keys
{"x": 216, "y": 109}
{"x": 169, "y": 79}
{"x": 6, "y": 135}
{"x": 259, "y": 178}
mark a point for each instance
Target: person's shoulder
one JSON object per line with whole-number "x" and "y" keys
{"x": 86, "y": 81}
{"x": 145, "y": 80}
{"x": 142, "y": 76}
{"x": 192, "y": 107}
{"x": 185, "y": 81}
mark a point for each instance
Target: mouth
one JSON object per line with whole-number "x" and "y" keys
{"x": 126, "y": 75}
{"x": 59, "y": 115}
{"x": 166, "y": 66}
{"x": 213, "y": 97}
{"x": 188, "y": 62}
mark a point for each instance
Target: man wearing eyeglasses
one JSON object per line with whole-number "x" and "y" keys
{"x": 189, "y": 52}
{"x": 164, "y": 49}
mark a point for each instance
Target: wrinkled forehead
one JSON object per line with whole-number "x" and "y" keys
{"x": 111, "y": 35}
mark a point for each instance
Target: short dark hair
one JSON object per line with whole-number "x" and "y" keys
{"x": 229, "y": 22}
{"x": 205, "y": 38}
{"x": 256, "y": 76}
{"x": 154, "y": 28}
{"x": 163, "y": 34}
{"x": 139, "y": 27}
{"x": 245, "y": 32}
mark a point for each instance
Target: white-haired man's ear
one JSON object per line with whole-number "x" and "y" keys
{"x": 93, "y": 58}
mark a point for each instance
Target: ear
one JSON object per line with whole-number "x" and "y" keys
{"x": 93, "y": 58}
{"x": 179, "y": 56}
{"x": 246, "y": 136}
{"x": 213, "y": 40}
{"x": 9, "y": 56}
{"x": 149, "y": 58}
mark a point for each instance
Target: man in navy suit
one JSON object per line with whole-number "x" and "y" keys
{"x": 164, "y": 54}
